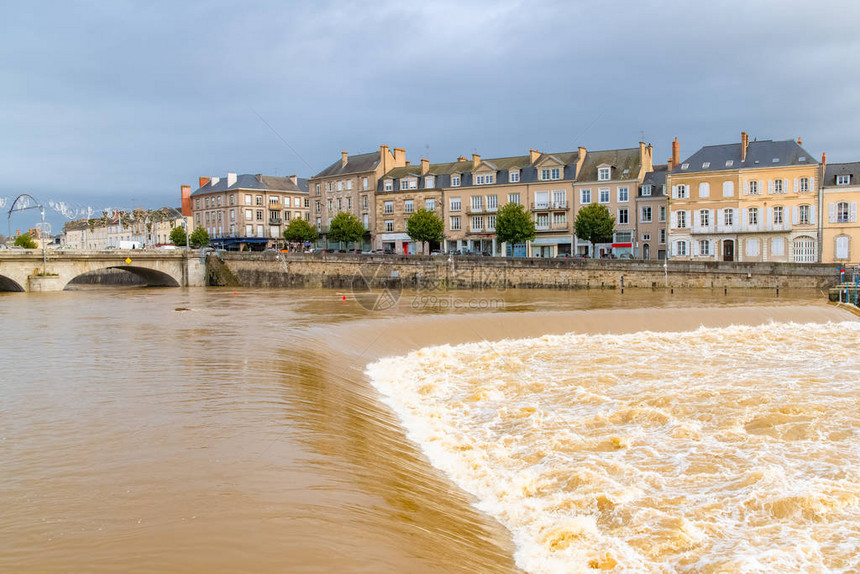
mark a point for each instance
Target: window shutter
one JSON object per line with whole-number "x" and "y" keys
{"x": 832, "y": 211}
{"x": 674, "y": 219}
{"x": 812, "y": 219}
{"x": 760, "y": 186}
{"x": 674, "y": 192}
{"x": 785, "y": 186}
{"x": 842, "y": 247}
{"x": 675, "y": 248}
{"x": 746, "y": 188}
{"x": 770, "y": 187}
{"x": 769, "y": 216}
{"x": 811, "y": 184}
{"x": 744, "y": 219}
{"x": 694, "y": 248}
{"x": 852, "y": 215}
{"x": 796, "y": 185}
{"x": 795, "y": 214}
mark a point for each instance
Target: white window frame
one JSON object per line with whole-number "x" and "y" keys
{"x": 843, "y": 180}
{"x": 514, "y": 176}
{"x": 604, "y": 173}
{"x": 585, "y": 196}
{"x": 455, "y": 223}
{"x": 623, "y": 195}
{"x": 600, "y": 195}
{"x": 455, "y": 181}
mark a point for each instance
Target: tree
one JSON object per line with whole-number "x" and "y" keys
{"x": 199, "y": 238}
{"x": 177, "y": 236}
{"x": 594, "y": 224}
{"x": 514, "y": 225}
{"x": 25, "y": 241}
{"x": 345, "y": 228}
{"x": 425, "y": 226}
{"x": 300, "y": 231}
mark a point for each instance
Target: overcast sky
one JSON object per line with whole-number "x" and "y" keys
{"x": 122, "y": 102}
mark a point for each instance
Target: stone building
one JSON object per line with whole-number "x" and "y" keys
{"x": 652, "y": 208}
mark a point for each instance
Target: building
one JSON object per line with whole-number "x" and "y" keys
{"x": 652, "y": 208}
{"x": 349, "y": 185}
{"x": 746, "y": 201}
{"x": 613, "y": 178}
{"x": 147, "y": 228}
{"x": 248, "y": 211}
{"x": 840, "y": 189}
{"x": 399, "y": 193}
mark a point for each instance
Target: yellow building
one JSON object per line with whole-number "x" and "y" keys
{"x": 840, "y": 190}
{"x": 747, "y": 201}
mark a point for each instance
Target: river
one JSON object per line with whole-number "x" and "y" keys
{"x": 183, "y": 430}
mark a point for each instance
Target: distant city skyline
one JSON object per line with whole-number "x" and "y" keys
{"x": 119, "y": 104}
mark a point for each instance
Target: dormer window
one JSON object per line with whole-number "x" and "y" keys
{"x": 550, "y": 173}
{"x": 776, "y": 160}
{"x": 404, "y": 184}
{"x": 514, "y": 176}
{"x": 843, "y": 179}
{"x": 706, "y": 165}
{"x": 685, "y": 166}
{"x": 603, "y": 173}
{"x": 646, "y": 190}
{"x": 730, "y": 162}
{"x": 455, "y": 181}
{"x": 802, "y": 158}
{"x": 389, "y": 185}
{"x": 484, "y": 179}
{"x": 429, "y": 181}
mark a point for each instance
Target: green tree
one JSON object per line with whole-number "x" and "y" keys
{"x": 594, "y": 224}
{"x": 25, "y": 241}
{"x": 424, "y": 226}
{"x": 199, "y": 238}
{"x": 345, "y": 228}
{"x": 514, "y": 225}
{"x": 177, "y": 236}
{"x": 300, "y": 231}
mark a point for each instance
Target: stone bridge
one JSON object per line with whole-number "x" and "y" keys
{"x": 21, "y": 269}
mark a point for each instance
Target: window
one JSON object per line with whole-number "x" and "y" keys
{"x": 623, "y": 237}
{"x": 388, "y": 185}
{"x": 207, "y": 203}
{"x": 339, "y": 204}
{"x": 455, "y": 222}
{"x": 389, "y": 225}
{"x": 777, "y": 247}
{"x": 364, "y": 202}
{"x": 623, "y": 217}
{"x": 275, "y": 200}
{"x": 408, "y": 206}
{"x": 646, "y": 214}
{"x": 388, "y": 207}
{"x": 681, "y": 248}
{"x": 413, "y": 183}
{"x": 752, "y": 247}
{"x": 623, "y": 194}
{"x": 730, "y": 162}
{"x": 491, "y": 223}
{"x": 704, "y": 247}
{"x": 430, "y": 204}
{"x": 804, "y": 184}
{"x": 477, "y": 202}
{"x": 662, "y": 236}
{"x": 705, "y": 217}
{"x": 542, "y": 221}
{"x": 603, "y": 174}
{"x": 429, "y": 181}
{"x": 232, "y": 215}
{"x": 681, "y": 192}
{"x": 603, "y": 195}
{"x": 559, "y": 218}
{"x": 307, "y": 202}
{"x": 752, "y": 216}
{"x": 349, "y": 184}
{"x": 646, "y": 190}
{"x": 318, "y": 207}
{"x": 404, "y": 184}
{"x": 753, "y": 187}
{"x": 318, "y": 189}
{"x": 685, "y": 166}
{"x": 804, "y": 215}
{"x": 646, "y": 237}
{"x": 777, "y": 215}
{"x": 777, "y": 186}
{"x": 259, "y": 200}
{"x": 259, "y": 215}
{"x": 729, "y": 217}
{"x": 340, "y": 186}
{"x": 514, "y": 198}
{"x": 843, "y": 179}
{"x": 584, "y": 196}
{"x": 248, "y": 199}
{"x": 682, "y": 219}
{"x": 550, "y": 173}
{"x": 842, "y": 213}
{"x": 249, "y": 214}
{"x": 842, "y": 247}
{"x": 455, "y": 181}
{"x": 492, "y": 202}
{"x": 363, "y": 184}
{"x": 662, "y": 218}
{"x": 364, "y": 219}
{"x": 477, "y": 223}
{"x": 706, "y": 165}
{"x": 484, "y": 179}
{"x": 455, "y": 204}
{"x": 704, "y": 189}
{"x": 233, "y": 199}
{"x": 219, "y": 201}
{"x": 513, "y": 176}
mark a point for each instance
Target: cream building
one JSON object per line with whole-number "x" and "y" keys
{"x": 401, "y": 192}
{"x": 248, "y": 211}
{"x": 747, "y": 201}
{"x": 840, "y": 191}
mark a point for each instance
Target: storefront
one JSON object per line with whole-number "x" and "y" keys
{"x": 399, "y": 243}
{"x": 551, "y": 246}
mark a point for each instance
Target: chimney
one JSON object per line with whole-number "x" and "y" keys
{"x": 383, "y": 158}
{"x": 399, "y": 157}
{"x": 408, "y": 163}
{"x": 425, "y": 166}
{"x": 580, "y": 160}
{"x": 648, "y": 159}
{"x": 185, "y": 195}
{"x": 294, "y": 179}
{"x": 799, "y": 141}
{"x": 824, "y": 159}
{"x": 745, "y": 142}
{"x": 344, "y": 157}
{"x": 669, "y": 164}
{"x": 259, "y": 177}
{"x": 231, "y": 179}
{"x": 533, "y": 155}
{"x": 676, "y": 154}
{"x": 202, "y": 181}
{"x": 214, "y": 180}
{"x": 476, "y": 159}
{"x": 461, "y": 158}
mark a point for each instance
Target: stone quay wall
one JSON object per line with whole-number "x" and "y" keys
{"x": 273, "y": 269}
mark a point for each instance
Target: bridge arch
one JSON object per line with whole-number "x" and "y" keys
{"x": 149, "y": 277}
{"x": 9, "y": 284}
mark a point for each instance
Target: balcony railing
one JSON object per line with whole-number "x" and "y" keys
{"x": 549, "y": 205}
{"x": 552, "y": 227}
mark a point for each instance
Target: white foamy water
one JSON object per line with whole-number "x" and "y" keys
{"x": 717, "y": 450}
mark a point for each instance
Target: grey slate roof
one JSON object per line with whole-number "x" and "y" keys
{"x": 834, "y": 169}
{"x": 760, "y": 154}
{"x": 354, "y": 164}
{"x": 256, "y": 182}
{"x": 656, "y": 179}
{"x": 620, "y": 159}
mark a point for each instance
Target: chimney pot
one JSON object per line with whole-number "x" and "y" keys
{"x": 202, "y": 181}
{"x": 799, "y": 141}
{"x": 231, "y": 179}
{"x": 461, "y": 158}
{"x": 425, "y": 166}
{"x": 824, "y": 158}
{"x": 476, "y": 159}
{"x": 533, "y": 155}
{"x": 745, "y": 142}
{"x": 343, "y": 158}
{"x": 676, "y": 153}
